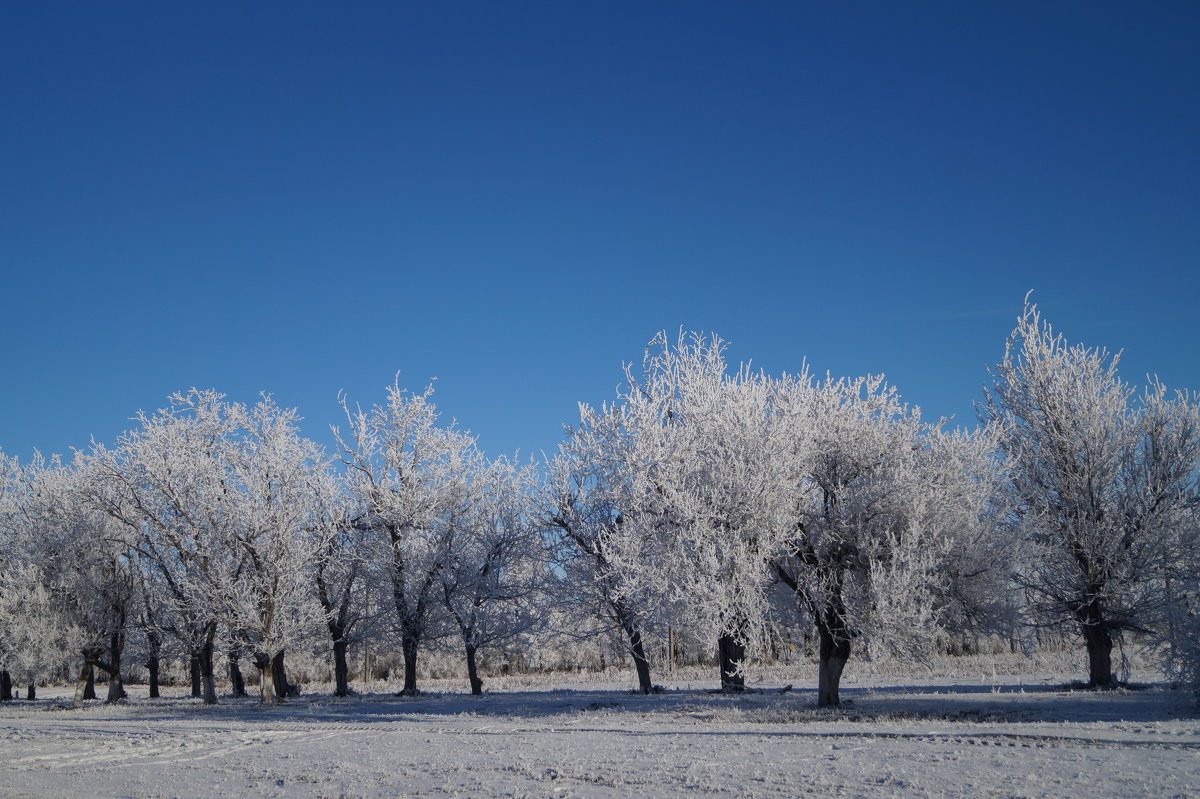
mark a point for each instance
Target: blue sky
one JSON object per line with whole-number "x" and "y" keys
{"x": 514, "y": 197}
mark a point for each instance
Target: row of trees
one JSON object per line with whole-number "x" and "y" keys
{"x": 716, "y": 500}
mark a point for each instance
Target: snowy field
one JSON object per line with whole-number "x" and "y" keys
{"x": 963, "y": 734}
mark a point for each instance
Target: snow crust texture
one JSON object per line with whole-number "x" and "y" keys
{"x": 947, "y": 737}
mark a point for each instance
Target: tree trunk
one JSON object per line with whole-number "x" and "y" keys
{"x": 473, "y": 671}
{"x": 153, "y": 663}
{"x": 85, "y": 683}
{"x": 194, "y": 670}
{"x": 116, "y": 686}
{"x": 341, "y": 669}
{"x": 834, "y": 652}
{"x": 730, "y": 653}
{"x": 237, "y": 685}
{"x": 32, "y": 694}
{"x": 1099, "y": 649}
{"x": 207, "y": 678}
{"x": 640, "y": 662}
{"x": 283, "y": 688}
{"x": 267, "y": 695}
{"x": 5, "y": 687}
{"x": 409, "y": 645}
{"x": 637, "y": 646}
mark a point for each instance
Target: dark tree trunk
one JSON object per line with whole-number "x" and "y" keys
{"x": 1097, "y": 636}
{"x": 637, "y": 647}
{"x": 86, "y": 684}
{"x": 640, "y": 662}
{"x": 1099, "y": 649}
{"x": 341, "y": 669}
{"x": 409, "y": 646}
{"x": 237, "y": 685}
{"x": 730, "y": 653}
{"x": 283, "y": 688}
{"x": 89, "y": 687}
{"x": 32, "y": 691}
{"x": 207, "y": 678}
{"x": 279, "y": 676}
{"x": 267, "y": 693}
{"x": 194, "y": 671}
{"x": 834, "y": 652}
{"x": 473, "y": 671}
{"x": 116, "y": 685}
{"x": 153, "y": 665}
{"x": 5, "y": 687}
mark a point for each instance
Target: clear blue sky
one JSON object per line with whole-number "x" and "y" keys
{"x": 513, "y": 197}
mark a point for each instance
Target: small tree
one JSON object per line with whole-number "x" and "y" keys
{"x": 341, "y": 573}
{"x": 493, "y": 573}
{"x": 79, "y": 559}
{"x": 1170, "y": 504}
{"x": 597, "y": 542}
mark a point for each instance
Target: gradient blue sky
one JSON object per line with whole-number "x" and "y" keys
{"x": 514, "y": 197}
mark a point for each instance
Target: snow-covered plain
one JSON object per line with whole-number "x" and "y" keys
{"x": 915, "y": 735}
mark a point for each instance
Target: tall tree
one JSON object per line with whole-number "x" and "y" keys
{"x": 411, "y": 482}
{"x": 282, "y": 500}
{"x": 223, "y": 503}
{"x": 710, "y": 483}
{"x": 1098, "y": 474}
{"x": 855, "y": 448}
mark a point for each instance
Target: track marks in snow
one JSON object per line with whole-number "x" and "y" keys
{"x": 119, "y": 748}
{"x": 1000, "y": 739}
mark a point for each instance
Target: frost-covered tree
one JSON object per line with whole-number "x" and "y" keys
{"x": 1180, "y": 632}
{"x": 284, "y": 503}
{"x": 722, "y": 482}
{"x": 36, "y": 639}
{"x": 966, "y": 484}
{"x": 493, "y": 574}
{"x": 9, "y": 469}
{"x": 224, "y": 504}
{"x": 1100, "y": 477}
{"x": 163, "y": 482}
{"x": 711, "y": 480}
{"x": 593, "y": 530}
{"x": 1169, "y": 465}
{"x": 856, "y": 447}
{"x": 410, "y": 483}
{"x": 74, "y": 586}
{"x": 341, "y": 574}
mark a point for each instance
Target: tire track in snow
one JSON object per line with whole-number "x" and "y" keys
{"x": 972, "y": 739}
{"x": 119, "y": 748}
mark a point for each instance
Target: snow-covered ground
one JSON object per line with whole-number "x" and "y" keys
{"x": 921, "y": 736}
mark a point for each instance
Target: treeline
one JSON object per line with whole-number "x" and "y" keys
{"x": 719, "y": 502}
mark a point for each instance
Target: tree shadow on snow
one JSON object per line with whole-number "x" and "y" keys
{"x": 967, "y": 703}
